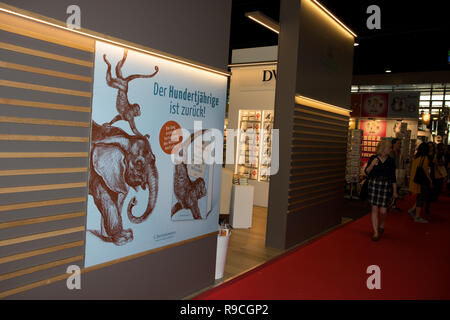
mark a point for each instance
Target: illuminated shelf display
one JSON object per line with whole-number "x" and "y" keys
{"x": 266, "y": 146}
{"x": 254, "y": 144}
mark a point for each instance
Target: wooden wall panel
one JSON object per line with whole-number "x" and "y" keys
{"x": 45, "y": 103}
{"x": 316, "y": 179}
{"x": 318, "y": 156}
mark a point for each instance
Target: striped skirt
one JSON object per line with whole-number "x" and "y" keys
{"x": 379, "y": 191}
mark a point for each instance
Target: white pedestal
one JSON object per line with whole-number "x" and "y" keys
{"x": 241, "y": 206}
{"x": 221, "y": 255}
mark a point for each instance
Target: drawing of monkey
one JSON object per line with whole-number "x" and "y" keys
{"x": 186, "y": 191}
{"x": 127, "y": 111}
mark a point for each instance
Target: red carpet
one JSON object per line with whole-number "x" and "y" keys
{"x": 414, "y": 260}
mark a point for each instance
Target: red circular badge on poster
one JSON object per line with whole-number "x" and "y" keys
{"x": 170, "y": 136}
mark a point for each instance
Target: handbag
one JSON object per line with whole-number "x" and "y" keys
{"x": 364, "y": 192}
{"x": 420, "y": 177}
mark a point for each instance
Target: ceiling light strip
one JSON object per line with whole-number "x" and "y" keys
{"x": 153, "y": 53}
{"x": 264, "y": 20}
{"x": 252, "y": 64}
{"x": 312, "y": 103}
{"x": 334, "y": 17}
{"x": 265, "y": 25}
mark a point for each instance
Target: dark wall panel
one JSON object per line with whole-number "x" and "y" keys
{"x": 30, "y": 146}
{"x": 37, "y": 44}
{"x": 312, "y": 221}
{"x": 283, "y": 121}
{"x": 197, "y": 30}
{"x": 315, "y": 62}
{"x": 41, "y": 62}
{"x": 168, "y": 274}
{"x": 45, "y": 80}
{"x": 41, "y": 96}
{"x": 325, "y": 59}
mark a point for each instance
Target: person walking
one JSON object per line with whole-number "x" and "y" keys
{"x": 432, "y": 192}
{"x": 382, "y": 185}
{"x": 440, "y": 170}
{"x": 395, "y": 154}
{"x": 420, "y": 190}
{"x": 447, "y": 165}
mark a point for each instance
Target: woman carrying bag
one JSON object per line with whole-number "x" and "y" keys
{"x": 382, "y": 185}
{"x": 420, "y": 181}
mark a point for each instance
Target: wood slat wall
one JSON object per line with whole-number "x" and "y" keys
{"x": 317, "y": 158}
{"x": 45, "y": 104}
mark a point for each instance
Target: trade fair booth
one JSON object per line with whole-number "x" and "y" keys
{"x": 251, "y": 110}
{"x": 89, "y": 121}
{"x": 100, "y": 125}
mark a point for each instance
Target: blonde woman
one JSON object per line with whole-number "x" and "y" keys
{"x": 382, "y": 186}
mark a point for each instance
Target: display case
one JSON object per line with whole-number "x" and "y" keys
{"x": 254, "y": 144}
{"x": 370, "y": 145}
{"x": 373, "y": 132}
{"x": 353, "y": 164}
{"x": 225, "y": 127}
{"x": 266, "y": 145}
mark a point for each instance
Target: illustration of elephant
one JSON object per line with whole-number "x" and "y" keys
{"x": 119, "y": 161}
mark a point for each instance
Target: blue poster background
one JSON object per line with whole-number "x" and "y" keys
{"x": 158, "y": 229}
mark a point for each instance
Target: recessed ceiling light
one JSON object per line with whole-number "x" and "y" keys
{"x": 388, "y": 71}
{"x": 356, "y": 44}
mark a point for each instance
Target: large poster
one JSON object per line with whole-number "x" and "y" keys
{"x": 404, "y": 105}
{"x": 373, "y": 132}
{"x": 374, "y": 105}
{"x": 139, "y": 197}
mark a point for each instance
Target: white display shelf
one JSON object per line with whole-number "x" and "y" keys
{"x": 241, "y": 206}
